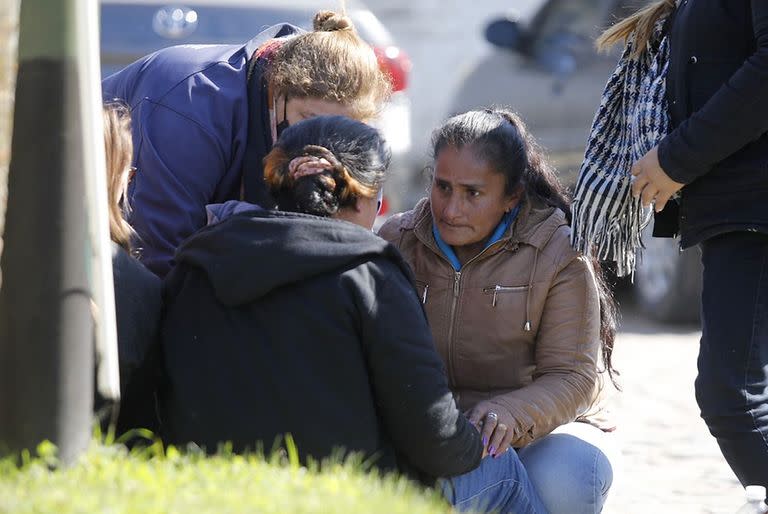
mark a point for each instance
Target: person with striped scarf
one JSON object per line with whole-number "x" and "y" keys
{"x": 683, "y": 127}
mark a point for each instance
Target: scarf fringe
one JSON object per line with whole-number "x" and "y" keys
{"x": 632, "y": 118}
{"x": 612, "y": 238}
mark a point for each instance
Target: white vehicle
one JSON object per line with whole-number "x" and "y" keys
{"x": 547, "y": 69}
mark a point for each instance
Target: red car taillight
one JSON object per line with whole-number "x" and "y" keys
{"x": 395, "y": 63}
{"x": 384, "y": 209}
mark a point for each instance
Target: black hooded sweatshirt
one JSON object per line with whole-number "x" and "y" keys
{"x": 286, "y": 323}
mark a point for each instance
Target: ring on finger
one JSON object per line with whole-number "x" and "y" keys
{"x": 492, "y": 414}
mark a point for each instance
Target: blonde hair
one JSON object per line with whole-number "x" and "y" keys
{"x": 331, "y": 63}
{"x": 118, "y": 148}
{"x": 641, "y": 24}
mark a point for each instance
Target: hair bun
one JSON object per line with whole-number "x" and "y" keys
{"x": 329, "y": 21}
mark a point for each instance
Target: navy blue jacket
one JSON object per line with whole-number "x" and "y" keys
{"x": 200, "y": 132}
{"x": 717, "y": 89}
{"x": 286, "y": 323}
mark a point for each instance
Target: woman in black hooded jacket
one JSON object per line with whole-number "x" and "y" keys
{"x": 302, "y": 321}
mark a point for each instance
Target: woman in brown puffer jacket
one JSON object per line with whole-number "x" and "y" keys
{"x": 517, "y": 315}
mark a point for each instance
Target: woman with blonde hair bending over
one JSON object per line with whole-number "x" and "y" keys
{"x": 517, "y": 315}
{"x": 205, "y": 116}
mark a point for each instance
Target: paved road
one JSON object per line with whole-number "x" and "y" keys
{"x": 671, "y": 463}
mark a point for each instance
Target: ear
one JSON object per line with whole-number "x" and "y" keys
{"x": 511, "y": 201}
{"x": 358, "y": 206}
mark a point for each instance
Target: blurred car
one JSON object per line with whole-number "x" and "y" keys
{"x": 131, "y": 29}
{"x": 547, "y": 69}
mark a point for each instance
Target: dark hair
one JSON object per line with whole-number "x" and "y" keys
{"x": 500, "y": 138}
{"x": 359, "y": 155}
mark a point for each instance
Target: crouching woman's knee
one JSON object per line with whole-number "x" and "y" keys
{"x": 572, "y": 468}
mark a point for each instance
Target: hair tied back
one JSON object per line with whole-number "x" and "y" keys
{"x": 329, "y": 21}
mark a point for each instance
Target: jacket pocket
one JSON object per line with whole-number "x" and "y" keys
{"x": 492, "y": 351}
{"x": 497, "y": 291}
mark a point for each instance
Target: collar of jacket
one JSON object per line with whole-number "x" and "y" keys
{"x": 534, "y": 225}
{"x": 495, "y": 236}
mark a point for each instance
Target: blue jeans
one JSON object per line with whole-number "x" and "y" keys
{"x": 572, "y": 468}
{"x": 498, "y": 485}
{"x": 732, "y": 385}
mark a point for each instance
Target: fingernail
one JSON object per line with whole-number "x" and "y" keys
{"x": 485, "y": 441}
{"x": 492, "y": 451}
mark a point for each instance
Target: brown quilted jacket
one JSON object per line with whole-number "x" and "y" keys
{"x": 518, "y": 325}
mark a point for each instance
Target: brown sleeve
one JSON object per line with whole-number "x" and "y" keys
{"x": 390, "y": 230}
{"x": 567, "y": 346}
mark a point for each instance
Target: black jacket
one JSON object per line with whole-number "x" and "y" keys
{"x": 717, "y": 89}
{"x": 285, "y": 323}
{"x": 138, "y": 309}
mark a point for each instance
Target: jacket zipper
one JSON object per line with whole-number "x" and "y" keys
{"x": 502, "y": 289}
{"x": 454, "y": 304}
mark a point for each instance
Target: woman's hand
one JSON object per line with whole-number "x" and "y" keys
{"x": 651, "y": 183}
{"x": 493, "y": 422}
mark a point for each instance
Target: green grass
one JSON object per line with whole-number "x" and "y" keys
{"x": 110, "y": 479}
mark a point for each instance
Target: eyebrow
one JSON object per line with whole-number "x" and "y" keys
{"x": 466, "y": 185}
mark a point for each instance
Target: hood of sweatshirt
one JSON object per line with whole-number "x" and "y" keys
{"x": 249, "y": 254}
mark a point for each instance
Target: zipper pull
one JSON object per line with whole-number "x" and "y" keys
{"x": 456, "y": 279}
{"x": 495, "y": 292}
{"x": 424, "y": 294}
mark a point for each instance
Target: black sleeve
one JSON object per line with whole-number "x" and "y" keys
{"x": 138, "y": 307}
{"x": 735, "y": 115}
{"x": 409, "y": 381}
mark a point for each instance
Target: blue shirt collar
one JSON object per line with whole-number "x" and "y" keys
{"x": 497, "y": 234}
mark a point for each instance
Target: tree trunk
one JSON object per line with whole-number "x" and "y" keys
{"x": 9, "y": 36}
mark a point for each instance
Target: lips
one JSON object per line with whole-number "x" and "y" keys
{"x": 451, "y": 226}
{"x": 445, "y": 227}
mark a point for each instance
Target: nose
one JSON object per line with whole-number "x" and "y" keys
{"x": 453, "y": 208}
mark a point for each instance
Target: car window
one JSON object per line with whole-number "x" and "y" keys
{"x": 579, "y": 21}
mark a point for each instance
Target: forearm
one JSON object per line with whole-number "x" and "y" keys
{"x": 409, "y": 382}
{"x": 548, "y": 402}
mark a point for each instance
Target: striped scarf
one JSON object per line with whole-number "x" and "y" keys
{"x": 632, "y": 118}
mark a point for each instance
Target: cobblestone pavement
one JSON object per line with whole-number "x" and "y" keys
{"x": 671, "y": 463}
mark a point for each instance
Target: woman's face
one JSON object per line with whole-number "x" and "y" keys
{"x": 468, "y": 198}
